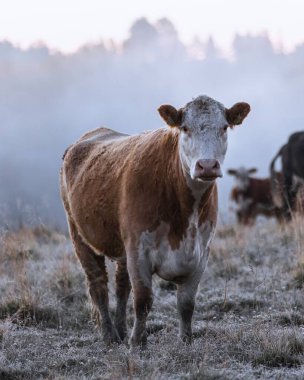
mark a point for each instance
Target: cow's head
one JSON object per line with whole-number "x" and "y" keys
{"x": 203, "y": 124}
{"x": 242, "y": 177}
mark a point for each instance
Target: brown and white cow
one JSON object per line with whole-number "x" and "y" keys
{"x": 149, "y": 202}
{"x": 252, "y": 196}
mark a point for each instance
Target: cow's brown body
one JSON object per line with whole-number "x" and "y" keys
{"x": 117, "y": 187}
{"x": 255, "y": 199}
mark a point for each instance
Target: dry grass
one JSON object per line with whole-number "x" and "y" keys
{"x": 248, "y": 324}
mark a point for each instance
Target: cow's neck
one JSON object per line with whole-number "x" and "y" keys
{"x": 200, "y": 190}
{"x": 191, "y": 203}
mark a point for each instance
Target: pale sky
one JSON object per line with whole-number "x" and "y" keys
{"x": 67, "y": 24}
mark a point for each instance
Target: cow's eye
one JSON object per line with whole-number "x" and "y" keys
{"x": 225, "y": 127}
{"x": 185, "y": 129}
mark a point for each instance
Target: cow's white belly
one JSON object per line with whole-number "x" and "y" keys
{"x": 178, "y": 264}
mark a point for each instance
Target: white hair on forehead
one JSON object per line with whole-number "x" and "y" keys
{"x": 243, "y": 171}
{"x": 204, "y": 109}
{"x": 205, "y": 103}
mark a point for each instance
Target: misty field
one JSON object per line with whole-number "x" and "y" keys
{"x": 248, "y": 321}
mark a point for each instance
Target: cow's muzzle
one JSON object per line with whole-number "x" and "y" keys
{"x": 207, "y": 170}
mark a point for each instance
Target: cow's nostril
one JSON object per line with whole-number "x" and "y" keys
{"x": 208, "y": 164}
{"x": 216, "y": 165}
{"x": 208, "y": 168}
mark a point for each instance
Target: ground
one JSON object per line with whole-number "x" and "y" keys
{"x": 248, "y": 322}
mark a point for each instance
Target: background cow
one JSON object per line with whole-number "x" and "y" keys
{"x": 292, "y": 155}
{"x": 149, "y": 202}
{"x": 252, "y": 196}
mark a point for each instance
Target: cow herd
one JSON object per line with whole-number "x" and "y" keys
{"x": 279, "y": 195}
{"x": 149, "y": 202}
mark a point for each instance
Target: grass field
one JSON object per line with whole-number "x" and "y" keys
{"x": 248, "y": 322}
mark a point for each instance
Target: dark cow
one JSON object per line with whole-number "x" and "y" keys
{"x": 252, "y": 196}
{"x": 292, "y": 155}
{"x": 149, "y": 202}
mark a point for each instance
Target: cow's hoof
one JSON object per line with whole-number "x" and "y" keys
{"x": 109, "y": 340}
{"x": 110, "y": 337}
{"x": 187, "y": 339}
{"x": 122, "y": 332}
{"x": 141, "y": 342}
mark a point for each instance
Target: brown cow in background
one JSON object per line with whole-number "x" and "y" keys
{"x": 252, "y": 196}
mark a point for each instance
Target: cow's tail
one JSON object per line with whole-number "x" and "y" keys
{"x": 276, "y": 180}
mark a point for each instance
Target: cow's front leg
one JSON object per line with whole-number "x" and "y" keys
{"x": 123, "y": 288}
{"x": 186, "y": 293}
{"x": 139, "y": 269}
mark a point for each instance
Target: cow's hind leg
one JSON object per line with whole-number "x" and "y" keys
{"x": 97, "y": 278}
{"x": 123, "y": 288}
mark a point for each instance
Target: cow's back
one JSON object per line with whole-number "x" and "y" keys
{"x": 91, "y": 186}
{"x": 296, "y": 154}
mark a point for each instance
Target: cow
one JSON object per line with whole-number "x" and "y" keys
{"x": 148, "y": 202}
{"x": 252, "y": 196}
{"x": 292, "y": 155}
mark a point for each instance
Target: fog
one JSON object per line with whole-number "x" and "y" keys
{"x": 48, "y": 99}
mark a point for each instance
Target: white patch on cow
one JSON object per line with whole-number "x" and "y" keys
{"x": 297, "y": 180}
{"x": 242, "y": 183}
{"x": 206, "y": 138}
{"x": 243, "y": 203}
{"x": 242, "y": 178}
{"x": 157, "y": 256}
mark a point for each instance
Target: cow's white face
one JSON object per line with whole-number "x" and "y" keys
{"x": 242, "y": 177}
{"x": 203, "y": 125}
{"x": 203, "y": 137}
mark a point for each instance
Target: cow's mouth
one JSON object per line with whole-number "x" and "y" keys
{"x": 207, "y": 178}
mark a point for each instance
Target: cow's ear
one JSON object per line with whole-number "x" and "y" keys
{"x": 231, "y": 171}
{"x": 237, "y": 113}
{"x": 252, "y": 170}
{"x": 171, "y": 115}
